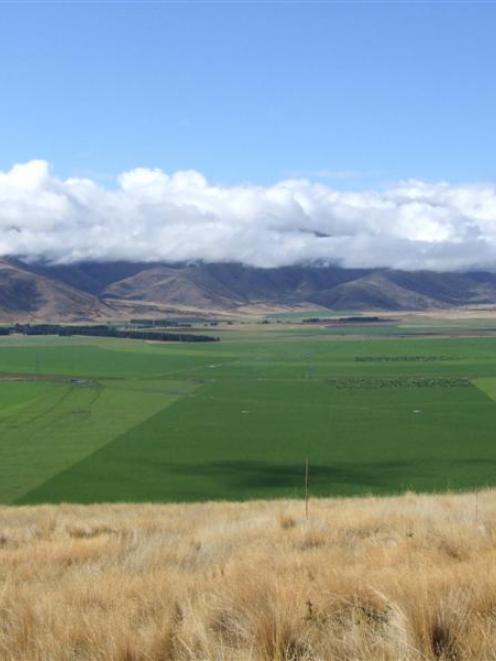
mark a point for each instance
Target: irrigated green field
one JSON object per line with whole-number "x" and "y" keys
{"x": 87, "y": 419}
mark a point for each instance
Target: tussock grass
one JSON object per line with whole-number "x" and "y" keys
{"x": 410, "y": 578}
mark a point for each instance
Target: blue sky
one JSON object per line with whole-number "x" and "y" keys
{"x": 357, "y": 94}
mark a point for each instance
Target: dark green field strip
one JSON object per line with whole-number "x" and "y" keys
{"x": 277, "y": 370}
{"x": 342, "y": 350}
{"x": 250, "y": 440}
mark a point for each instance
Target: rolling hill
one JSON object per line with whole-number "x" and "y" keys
{"x": 117, "y": 289}
{"x": 27, "y": 294}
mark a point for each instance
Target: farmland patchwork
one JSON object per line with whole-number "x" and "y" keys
{"x": 116, "y": 420}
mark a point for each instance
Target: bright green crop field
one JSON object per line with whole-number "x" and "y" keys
{"x": 99, "y": 419}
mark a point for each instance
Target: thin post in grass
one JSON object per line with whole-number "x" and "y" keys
{"x": 306, "y": 488}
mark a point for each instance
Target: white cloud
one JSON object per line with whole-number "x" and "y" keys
{"x": 152, "y": 215}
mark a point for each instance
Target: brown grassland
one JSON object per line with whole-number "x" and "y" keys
{"x": 403, "y": 578}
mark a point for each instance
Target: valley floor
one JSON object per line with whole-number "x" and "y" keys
{"x": 406, "y": 578}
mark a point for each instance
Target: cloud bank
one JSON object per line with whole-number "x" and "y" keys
{"x": 154, "y": 216}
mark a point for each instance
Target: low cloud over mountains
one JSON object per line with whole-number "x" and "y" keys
{"x": 153, "y": 216}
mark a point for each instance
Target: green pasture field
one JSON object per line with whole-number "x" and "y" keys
{"x": 101, "y": 419}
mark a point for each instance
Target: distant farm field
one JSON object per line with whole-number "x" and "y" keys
{"x": 91, "y": 420}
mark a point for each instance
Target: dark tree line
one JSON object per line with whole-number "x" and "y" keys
{"x": 103, "y": 330}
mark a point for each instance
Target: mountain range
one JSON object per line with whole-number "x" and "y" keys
{"x": 89, "y": 291}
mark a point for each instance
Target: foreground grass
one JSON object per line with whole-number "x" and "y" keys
{"x": 410, "y": 578}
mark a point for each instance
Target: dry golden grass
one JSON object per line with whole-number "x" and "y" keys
{"x": 410, "y": 578}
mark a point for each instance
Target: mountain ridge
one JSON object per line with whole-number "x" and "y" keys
{"x": 92, "y": 290}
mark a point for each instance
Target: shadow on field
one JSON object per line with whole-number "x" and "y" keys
{"x": 264, "y": 475}
{"x": 253, "y": 475}
{"x": 138, "y": 479}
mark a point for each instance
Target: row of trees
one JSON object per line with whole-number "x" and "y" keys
{"x": 103, "y": 330}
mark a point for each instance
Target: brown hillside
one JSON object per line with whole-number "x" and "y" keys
{"x": 25, "y": 295}
{"x": 123, "y": 289}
